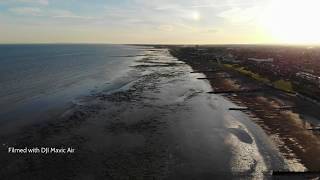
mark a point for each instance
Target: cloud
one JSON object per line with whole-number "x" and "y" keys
{"x": 42, "y": 2}
{"x": 50, "y": 13}
{"x": 240, "y": 15}
{"x": 33, "y": 2}
{"x": 212, "y": 30}
{"x": 167, "y": 19}
{"x": 167, "y": 28}
{"x": 33, "y": 11}
{"x": 67, "y": 14}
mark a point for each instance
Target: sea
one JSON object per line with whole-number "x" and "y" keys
{"x": 38, "y": 81}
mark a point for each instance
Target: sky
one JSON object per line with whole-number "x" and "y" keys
{"x": 160, "y": 21}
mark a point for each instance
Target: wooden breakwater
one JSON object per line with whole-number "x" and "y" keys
{"x": 239, "y": 109}
{"x": 206, "y": 71}
{"x": 237, "y": 91}
{"x": 257, "y": 109}
{"x": 217, "y": 77}
{"x": 314, "y": 129}
{"x": 296, "y": 173}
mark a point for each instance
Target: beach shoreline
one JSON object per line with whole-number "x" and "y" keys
{"x": 279, "y": 114}
{"x": 160, "y": 125}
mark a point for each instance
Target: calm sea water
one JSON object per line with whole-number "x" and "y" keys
{"x": 37, "y": 80}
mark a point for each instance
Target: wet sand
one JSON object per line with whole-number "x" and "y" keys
{"x": 163, "y": 125}
{"x": 289, "y": 128}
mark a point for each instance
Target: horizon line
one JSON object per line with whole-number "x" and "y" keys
{"x": 159, "y": 44}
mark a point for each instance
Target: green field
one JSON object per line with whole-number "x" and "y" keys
{"x": 278, "y": 84}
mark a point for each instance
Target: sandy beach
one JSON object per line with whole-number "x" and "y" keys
{"x": 288, "y": 119}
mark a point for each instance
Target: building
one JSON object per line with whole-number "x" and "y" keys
{"x": 309, "y": 77}
{"x": 261, "y": 60}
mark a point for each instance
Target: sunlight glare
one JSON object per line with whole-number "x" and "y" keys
{"x": 196, "y": 16}
{"x": 293, "y": 21}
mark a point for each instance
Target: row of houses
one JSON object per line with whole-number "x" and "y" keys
{"x": 313, "y": 79}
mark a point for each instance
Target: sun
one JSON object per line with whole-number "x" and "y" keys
{"x": 196, "y": 16}
{"x": 293, "y": 21}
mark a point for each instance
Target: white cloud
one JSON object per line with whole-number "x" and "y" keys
{"x": 33, "y": 11}
{"x": 240, "y": 15}
{"x": 66, "y": 14}
{"x": 51, "y": 13}
{"x": 42, "y": 2}
{"x": 33, "y": 2}
{"x": 168, "y": 28}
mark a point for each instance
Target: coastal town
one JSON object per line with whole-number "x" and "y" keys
{"x": 292, "y": 69}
